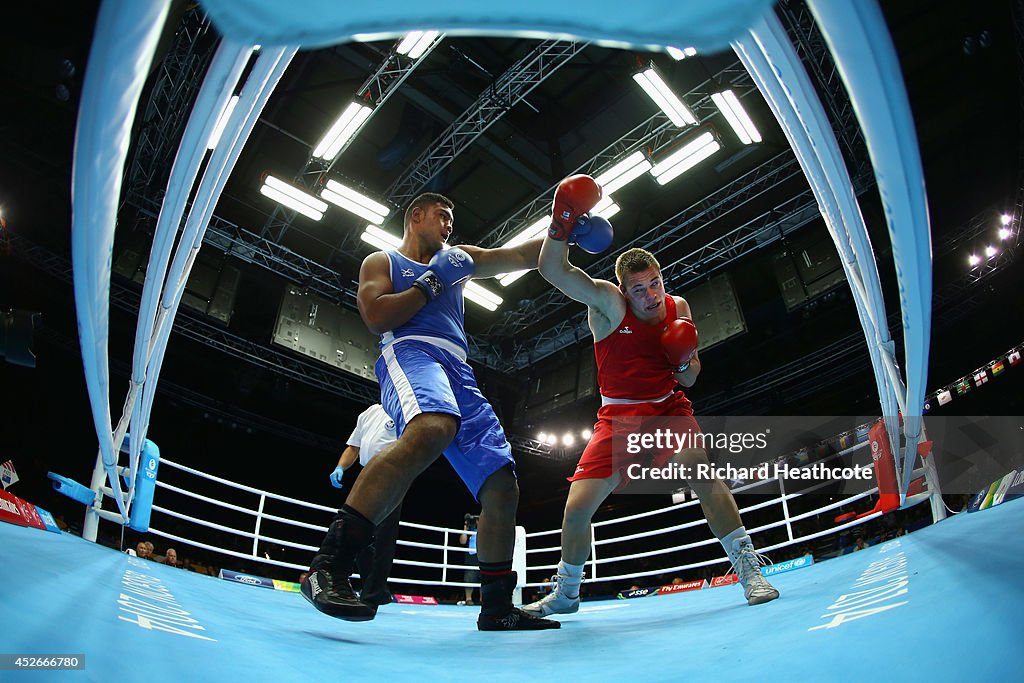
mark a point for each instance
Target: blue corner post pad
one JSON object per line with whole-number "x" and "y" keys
{"x": 145, "y": 485}
{"x": 72, "y": 489}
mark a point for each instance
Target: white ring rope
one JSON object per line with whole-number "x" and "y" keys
{"x": 125, "y": 39}
{"x": 770, "y": 58}
{"x": 444, "y": 549}
{"x": 866, "y": 59}
{"x": 267, "y": 71}
{"x": 224, "y": 72}
{"x": 249, "y": 489}
{"x": 206, "y": 499}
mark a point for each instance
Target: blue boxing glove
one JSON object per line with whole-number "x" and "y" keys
{"x": 336, "y": 476}
{"x": 592, "y": 233}
{"x": 448, "y": 268}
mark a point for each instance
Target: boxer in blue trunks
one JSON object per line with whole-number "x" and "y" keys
{"x": 413, "y": 297}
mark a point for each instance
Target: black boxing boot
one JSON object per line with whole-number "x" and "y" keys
{"x": 327, "y": 586}
{"x": 497, "y": 612}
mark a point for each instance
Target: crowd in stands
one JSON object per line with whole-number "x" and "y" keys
{"x": 145, "y": 550}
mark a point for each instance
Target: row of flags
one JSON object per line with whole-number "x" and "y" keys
{"x": 8, "y": 475}
{"x": 975, "y": 380}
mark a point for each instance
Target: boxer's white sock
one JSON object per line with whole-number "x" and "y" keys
{"x": 729, "y": 542}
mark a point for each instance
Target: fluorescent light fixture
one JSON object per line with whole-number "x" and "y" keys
{"x": 991, "y": 251}
{"x": 372, "y": 37}
{"x": 505, "y": 279}
{"x": 606, "y": 208}
{"x": 658, "y": 90}
{"x": 623, "y": 173}
{"x": 218, "y": 129}
{"x": 680, "y": 54}
{"x": 416, "y": 43}
{"x": 408, "y": 41}
{"x": 293, "y": 198}
{"x": 421, "y": 46}
{"x": 356, "y": 202}
{"x": 481, "y": 296}
{"x": 691, "y": 154}
{"x": 532, "y": 231}
{"x": 282, "y": 198}
{"x": 974, "y": 259}
{"x": 380, "y": 238}
{"x": 733, "y": 111}
{"x": 1004, "y": 233}
{"x": 343, "y": 130}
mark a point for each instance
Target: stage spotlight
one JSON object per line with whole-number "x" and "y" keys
{"x": 568, "y": 439}
{"x": 586, "y": 434}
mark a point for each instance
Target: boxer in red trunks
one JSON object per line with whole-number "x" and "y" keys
{"x": 646, "y": 344}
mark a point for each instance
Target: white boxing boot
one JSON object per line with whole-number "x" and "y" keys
{"x": 563, "y": 599}
{"x": 747, "y": 562}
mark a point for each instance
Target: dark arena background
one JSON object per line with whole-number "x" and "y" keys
{"x": 268, "y": 363}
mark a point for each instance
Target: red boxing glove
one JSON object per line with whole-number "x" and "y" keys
{"x": 575, "y": 196}
{"x": 679, "y": 341}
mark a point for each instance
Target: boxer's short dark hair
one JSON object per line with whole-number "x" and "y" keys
{"x": 427, "y": 199}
